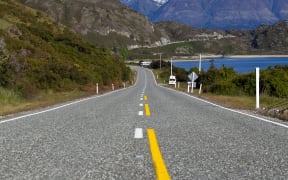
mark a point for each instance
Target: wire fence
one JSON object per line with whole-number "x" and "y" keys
{"x": 279, "y": 110}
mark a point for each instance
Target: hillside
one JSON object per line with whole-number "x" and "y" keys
{"x": 271, "y": 38}
{"x": 102, "y": 22}
{"x": 264, "y": 40}
{"x": 111, "y": 24}
{"x": 214, "y": 14}
{"x": 37, "y": 53}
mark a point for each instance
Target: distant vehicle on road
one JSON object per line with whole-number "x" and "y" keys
{"x": 145, "y": 63}
{"x": 172, "y": 80}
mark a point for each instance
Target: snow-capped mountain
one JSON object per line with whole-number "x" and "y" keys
{"x": 160, "y": 2}
{"x": 214, "y": 14}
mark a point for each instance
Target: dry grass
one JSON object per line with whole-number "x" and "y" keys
{"x": 11, "y": 103}
{"x": 43, "y": 100}
{"x": 234, "y": 102}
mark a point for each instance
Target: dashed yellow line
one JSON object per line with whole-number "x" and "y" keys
{"x": 159, "y": 164}
{"x": 147, "y": 110}
{"x": 145, "y": 98}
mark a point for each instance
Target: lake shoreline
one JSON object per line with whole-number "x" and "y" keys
{"x": 241, "y": 64}
{"x": 209, "y": 57}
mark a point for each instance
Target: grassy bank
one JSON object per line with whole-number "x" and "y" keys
{"x": 11, "y": 102}
{"x": 234, "y": 102}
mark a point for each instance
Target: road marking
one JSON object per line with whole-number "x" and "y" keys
{"x": 145, "y": 98}
{"x": 66, "y": 105}
{"x": 141, "y": 99}
{"x": 147, "y": 110}
{"x": 222, "y": 107}
{"x": 159, "y": 164}
{"x": 140, "y": 113}
{"x": 141, "y": 105}
{"x": 138, "y": 133}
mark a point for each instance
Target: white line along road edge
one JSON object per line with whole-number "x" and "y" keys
{"x": 228, "y": 109}
{"x": 65, "y": 105}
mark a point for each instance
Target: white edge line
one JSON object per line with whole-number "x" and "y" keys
{"x": 138, "y": 133}
{"x": 228, "y": 109}
{"x": 65, "y": 105}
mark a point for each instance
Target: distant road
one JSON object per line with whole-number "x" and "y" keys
{"x": 112, "y": 137}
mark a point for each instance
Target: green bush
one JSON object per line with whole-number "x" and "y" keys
{"x": 224, "y": 88}
{"x": 43, "y": 55}
{"x": 273, "y": 82}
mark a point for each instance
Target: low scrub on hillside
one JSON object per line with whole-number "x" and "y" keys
{"x": 38, "y": 54}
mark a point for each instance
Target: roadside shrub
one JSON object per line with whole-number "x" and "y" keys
{"x": 246, "y": 83}
{"x": 224, "y": 88}
{"x": 274, "y": 81}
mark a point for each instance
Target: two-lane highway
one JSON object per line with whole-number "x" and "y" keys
{"x": 113, "y": 136}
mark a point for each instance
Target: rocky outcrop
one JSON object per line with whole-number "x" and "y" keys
{"x": 99, "y": 21}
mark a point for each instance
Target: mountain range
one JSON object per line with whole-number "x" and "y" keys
{"x": 109, "y": 23}
{"x": 214, "y": 14}
{"x": 102, "y": 22}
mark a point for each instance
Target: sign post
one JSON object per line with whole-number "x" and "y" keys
{"x": 193, "y": 76}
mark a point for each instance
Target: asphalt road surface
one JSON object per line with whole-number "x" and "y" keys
{"x": 111, "y": 137}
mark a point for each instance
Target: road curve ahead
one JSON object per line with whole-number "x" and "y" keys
{"x": 142, "y": 132}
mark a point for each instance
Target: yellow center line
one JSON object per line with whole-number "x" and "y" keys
{"x": 147, "y": 110}
{"x": 145, "y": 98}
{"x": 159, "y": 164}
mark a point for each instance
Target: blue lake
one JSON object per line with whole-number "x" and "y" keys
{"x": 240, "y": 65}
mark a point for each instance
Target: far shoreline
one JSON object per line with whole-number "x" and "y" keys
{"x": 208, "y": 57}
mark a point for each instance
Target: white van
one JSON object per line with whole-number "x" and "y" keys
{"x": 172, "y": 80}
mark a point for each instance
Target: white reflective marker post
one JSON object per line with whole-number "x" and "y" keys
{"x": 97, "y": 89}
{"x": 257, "y": 87}
{"x": 192, "y": 83}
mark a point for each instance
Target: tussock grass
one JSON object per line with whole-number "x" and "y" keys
{"x": 11, "y": 102}
{"x": 8, "y": 97}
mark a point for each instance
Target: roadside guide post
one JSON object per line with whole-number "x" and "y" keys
{"x": 257, "y": 87}
{"x": 192, "y": 83}
{"x": 97, "y": 90}
{"x": 200, "y": 89}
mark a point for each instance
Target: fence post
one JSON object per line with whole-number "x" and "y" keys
{"x": 113, "y": 87}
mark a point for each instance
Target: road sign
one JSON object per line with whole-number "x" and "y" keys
{"x": 193, "y": 76}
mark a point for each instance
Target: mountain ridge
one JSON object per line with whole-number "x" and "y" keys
{"x": 124, "y": 32}
{"x": 99, "y": 20}
{"x": 217, "y": 14}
